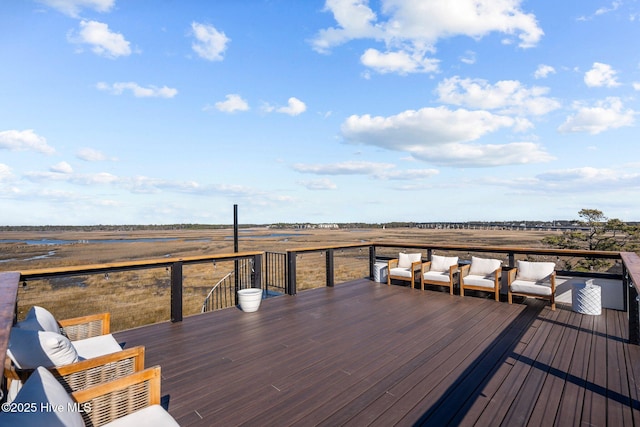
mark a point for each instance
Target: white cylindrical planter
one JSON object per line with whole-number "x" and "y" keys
{"x": 586, "y": 298}
{"x": 249, "y": 299}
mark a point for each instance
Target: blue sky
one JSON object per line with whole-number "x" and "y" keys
{"x": 123, "y": 112}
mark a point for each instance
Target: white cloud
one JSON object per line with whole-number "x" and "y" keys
{"x": 318, "y": 184}
{"x": 137, "y": 90}
{"x": 636, "y": 85}
{"x": 23, "y": 140}
{"x": 410, "y": 28}
{"x": 401, "y": 62}
{"x": 484, "y": 155}
{"x": 587, "y": 179}
{"x": 73, "y": 7}
{"x": 373, "y": 169}
{"x": 232, "y": 104}
{"x": 468, "y": 58}
{"x": 62, "y": 167}
{"x": 344, "y": 168}
{"x": 443, "y": 136}
{"x": 104, "y": 42}
{"x": 210, "y": 44}
{"x": 91, "y": 155}
{"x": 294, "y": 107}
{"x": 543, "y": 71}
{"x": 412, "y": 130}
{"x": 508, "y": 96}
{"x": 604, "y": 115}
{"x": 601, "y": 75}
{"x": 5, "y": 172}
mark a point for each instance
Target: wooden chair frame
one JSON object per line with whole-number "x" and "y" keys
{"x": 497, "y": 277}
{"x": 393, "y": 263}
{"x": 93, "y": 325}
{"x": 119, "y": 398}
{"x": 86, "y": 373}
{"x": 551, "y": 298}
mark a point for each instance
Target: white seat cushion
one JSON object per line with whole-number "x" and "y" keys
{"x": 42, "y": 391}
{"x": 151, "y": 416}
{"x": 442, "y": 263}
{"x": 534, "y": 288}
{"x": 405, "y": 260}
{"x": 534, "y": 271}
{"x": 29, "y": 349}
{"x": 402, "y": 272}
{"x": 438, "y": 276}
{"x": 89, "y": 348}
{"x": 483, "y": 266}
{"x": 481, "y": 281}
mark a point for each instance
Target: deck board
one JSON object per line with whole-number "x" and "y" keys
{"x": 363, "y": 353}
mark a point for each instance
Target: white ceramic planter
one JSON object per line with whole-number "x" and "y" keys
{"x": 249, "y": 299}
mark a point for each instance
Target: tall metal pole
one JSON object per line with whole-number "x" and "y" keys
{"x": 236, "y": 264}
{"x": 235, "y": 228}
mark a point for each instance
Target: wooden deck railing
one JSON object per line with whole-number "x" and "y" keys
{"x": 174, "y": 264}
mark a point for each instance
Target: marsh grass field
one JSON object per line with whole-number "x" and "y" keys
{"x": 141, "y": 297}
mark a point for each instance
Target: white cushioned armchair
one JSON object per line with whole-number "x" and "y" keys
{"x": 439, "y": 271}
{"x": 533, "y": 279}
{"x": 483, "y": 274}
{"x": 133, "y": 400}
{"x": 404, "y": 267}
{"x": 39, "y": 341}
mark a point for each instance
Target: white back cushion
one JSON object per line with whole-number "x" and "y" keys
{"x": 442, "y": 263}
{"x": 39, "y": 319}
{"x": 534, "y": 271}
{"x": 30, "y": 349}
{"x": 483, "y": 266}
{"x": 405, "y": 260}
{"x": 42, "y": 392}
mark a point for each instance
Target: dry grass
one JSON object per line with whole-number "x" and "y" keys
{"x": 141, "y": 297}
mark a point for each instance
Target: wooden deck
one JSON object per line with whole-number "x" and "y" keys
{"x": 363, "y": 353}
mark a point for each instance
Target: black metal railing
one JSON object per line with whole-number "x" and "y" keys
{"x": 224, "y": 293}
{"x": 280, "y": 272}
{"x": 275, "y": 273}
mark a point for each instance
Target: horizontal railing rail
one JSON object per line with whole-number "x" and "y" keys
{"x": 175, "y": 264}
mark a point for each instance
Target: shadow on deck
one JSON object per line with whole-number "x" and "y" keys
{"x": 363, "y": 353}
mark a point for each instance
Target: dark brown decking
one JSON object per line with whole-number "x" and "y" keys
{"x": 364, "y": 353}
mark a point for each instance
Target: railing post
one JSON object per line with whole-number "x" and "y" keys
{"x": 329, "y": 268}
{"x": 176, "y": 291}
{"x": 633, "y": 311}
{"x": 257, "y": 271}
{"x": 291, "y": 273}
{"x": 372, "y": 261}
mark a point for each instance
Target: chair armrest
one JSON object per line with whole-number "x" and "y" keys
{"x": 498, "y": 273}
{"x": 121, "y": 397}
{"x": 416, "y": 265}
{"x": 512, "y": 275}
{"x": 553, "y": 282}
{"x": 426, "y": 266}
{"x": 93, "y": 325}
{"x": 453, "y": 269}
{"x": 87, "y": 373}
{"x": 464, "y": 270}
{"x": 393, "y": 263}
